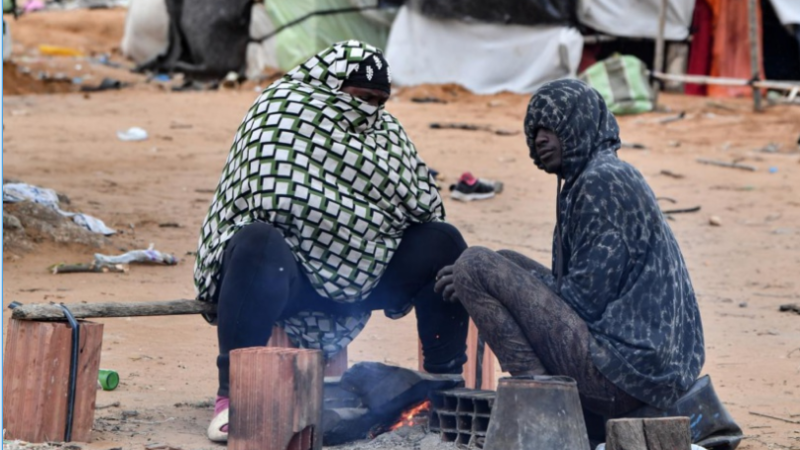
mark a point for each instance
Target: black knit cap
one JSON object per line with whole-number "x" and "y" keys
{"x": 372, "y": 73}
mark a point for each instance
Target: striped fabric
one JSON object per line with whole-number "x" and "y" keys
{"x": 623, "y": 83}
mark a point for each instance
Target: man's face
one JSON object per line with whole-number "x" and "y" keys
{"x": 372, "y": 96}
{"x": 548, "y": 147}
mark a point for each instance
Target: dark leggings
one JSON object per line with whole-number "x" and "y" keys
{"x": 261, "y": 282}
{"x": 530, "y": 328}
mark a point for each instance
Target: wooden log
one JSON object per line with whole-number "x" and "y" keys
{"x": 334, "y": 367}
{"x": 276, "y": 399}
{"x": 51, "y": 311}
{"x": 36, "y": 370}
{"x": 667, "y": 433}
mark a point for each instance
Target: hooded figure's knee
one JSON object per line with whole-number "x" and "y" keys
{"x": 471, "y": 265}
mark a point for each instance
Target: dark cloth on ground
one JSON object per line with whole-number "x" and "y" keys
{"x": 623, "y": 272}
{"x": 531, "y": 329}
{"x": 261, "y": 282}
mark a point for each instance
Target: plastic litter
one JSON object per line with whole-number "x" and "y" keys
{"x": 54, "y": 50}
{"x": 694, "y": 447}
{"x": 132, "y": 134}
{"x": 18, "y": 192}
{"x": 141, "y": 256}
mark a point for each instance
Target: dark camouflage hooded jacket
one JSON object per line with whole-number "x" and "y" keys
{"x": 616, "y": 262}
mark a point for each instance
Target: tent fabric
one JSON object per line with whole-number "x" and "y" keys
{"x": 260, "y": 55}
{"x": 516, "y": 12}
{"x": 700, "y": 51}
{"x": 484, "y": 58}
{"x": 731, "y": 48}
{"x": 637, "y": 18}
{"x": 788, "y": 11}
{"x": 207, "y": 38}
{"x": 296, "y": 44}
{"x": 146, "y": 30}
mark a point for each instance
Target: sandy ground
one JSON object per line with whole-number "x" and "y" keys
{"x": 742, "y": 270}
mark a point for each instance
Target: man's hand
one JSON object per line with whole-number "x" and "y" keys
{"x": 444, "y": 284}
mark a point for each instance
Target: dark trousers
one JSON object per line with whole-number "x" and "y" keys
{"x": 261, "y": 282}
{"x": 530, "y": 328}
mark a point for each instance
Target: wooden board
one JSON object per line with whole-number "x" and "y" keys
{"x": 276, "y": 399}
{"x": 36, "y": 370}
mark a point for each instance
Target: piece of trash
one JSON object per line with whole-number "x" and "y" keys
{"x": 674, "y": 144}
{"x": 496, "y": 103}
{"x": 472, "y": 127}
{"x": 88, "y": 268}
{"x": 428, "y": 100}
{"x": 169, "y": 225}
{"x": 132, "y": 134}
{"x": 231, "y": 80}
{"x": 715, "y": 221}
{"x": 671, "y": 174}
{"x": 54, "y": 50}
{"x": 77, "y": 80}
{"x": 743, "y": 305}
{"x": 731, "y": 165}
{"x": 670, "y": 119}
{"x": 634, "y": 145}
{"x": 141, "y": 256}
{"x": 33, "y": 5}
{"x": 790, "y": 307}
{"x": 109, "y": 379}
{"x": 773, "y": 169}
{"x": 162, "y": 78}
{"x": 105, "y": 85}
{"x": 470, "y": 188}
{"x": 18, "y": 192}
{"x": 179, "y": 126}
{"x": 772, "y": 147}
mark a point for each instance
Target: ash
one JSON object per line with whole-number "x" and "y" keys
{"x": 414, "y": 437}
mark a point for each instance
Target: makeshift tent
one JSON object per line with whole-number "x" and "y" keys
{"x": 297, "y": 43}
{"x": 485, "y": 58}
{"x": 516, "y": 12}
{"x": 146, "y": 30}
{"x": 788, "y": 11}
{"x": 637, "y": 18}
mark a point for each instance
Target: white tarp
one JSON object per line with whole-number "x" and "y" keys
{"x": 788, "y": 11}
{"x": 638, "y": 18}
{"x": 146, "y": 30}
{"x": 484, "y": 58}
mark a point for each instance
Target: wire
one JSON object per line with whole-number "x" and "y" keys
{"x": 73, "y": 371}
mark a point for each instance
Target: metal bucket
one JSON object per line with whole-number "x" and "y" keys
{"x": 537, "y": 413}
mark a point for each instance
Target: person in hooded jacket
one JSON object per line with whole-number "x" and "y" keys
{"x": 617, "y": 311}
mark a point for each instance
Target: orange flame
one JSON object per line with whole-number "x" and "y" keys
{"x": 410, "y": 417}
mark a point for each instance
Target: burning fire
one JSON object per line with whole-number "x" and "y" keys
{"x": 411, "y": 416}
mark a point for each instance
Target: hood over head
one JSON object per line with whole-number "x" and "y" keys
{"x": 578, "y": 115}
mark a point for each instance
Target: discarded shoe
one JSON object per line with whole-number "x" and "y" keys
{"x": 218, "y": 428}
{"x": 470, "y": 188}
{"x": 712, "y": 426}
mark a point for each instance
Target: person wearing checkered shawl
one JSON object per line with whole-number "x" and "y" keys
{"x": 324, "y": 213}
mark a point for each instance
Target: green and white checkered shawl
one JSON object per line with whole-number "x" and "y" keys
{"x": 338, "y": 177}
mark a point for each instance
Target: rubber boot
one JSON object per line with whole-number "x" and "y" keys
{"x": 711, "y": 425}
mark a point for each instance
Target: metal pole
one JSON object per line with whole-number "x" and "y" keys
{"x": 755, "y": 50}
{"x": 658, "y": 63}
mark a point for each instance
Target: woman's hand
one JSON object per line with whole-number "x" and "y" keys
{"x": 444, "y": 284}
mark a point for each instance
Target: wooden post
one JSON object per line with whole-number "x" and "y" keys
{"x": 755, "y": 50}
{"x": 666, "y": 433}
{"x": 334, "y": 367}
{"x": 36, "y": 370}
{"x": 658, "y": 63}
{"x": 276, "y": 399}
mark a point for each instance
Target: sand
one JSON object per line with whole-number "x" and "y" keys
{"x": 742, "y": 270}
